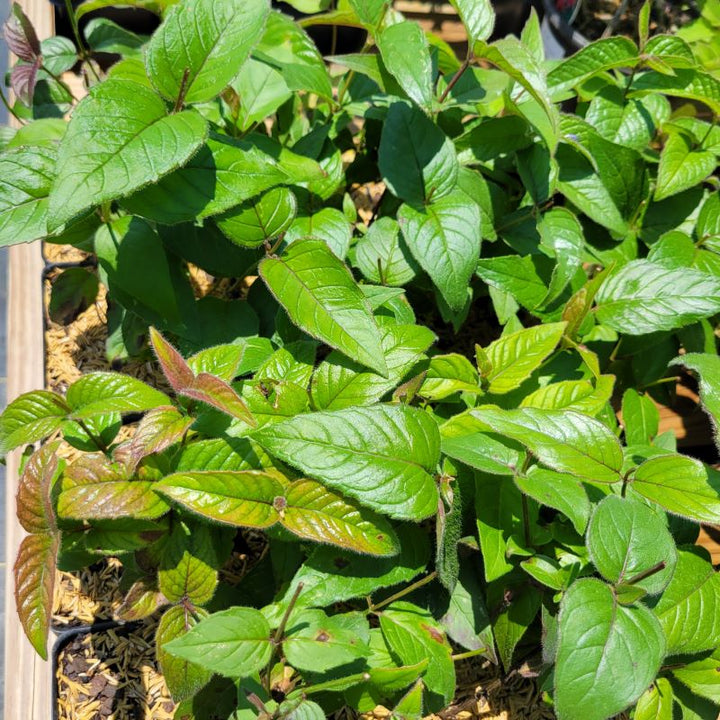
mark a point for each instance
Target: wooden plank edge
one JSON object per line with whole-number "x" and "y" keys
{"x": 28, "y": 679}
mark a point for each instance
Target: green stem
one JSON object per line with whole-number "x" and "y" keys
{"x": 277, "y": 638}
{"x": 402, "y": 593}
{"x": 9, "y": 108}
{"x": 526, "y": 521}
{"x": 469, "y": 654}
{"x": 99, "y": 444}
{"x": 60, "y": 82}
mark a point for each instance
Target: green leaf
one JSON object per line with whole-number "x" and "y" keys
{"x": 597, "y": 57}
{"x": 691, "y": 84}
{"x": 183, "y": 678}
{"x": 338, "y": 383}
{"x": 202, "y": 45}
{"x": 516, "y": 275}
{"x": 286, "y": 47}
{"x": 262, "y": 89}
{"x": 707, "y": 367}
{"x": 416, "y": 159}
{"x": 465, "y": 438}
{"x": 383, "y": 256}
{"x": 405, "y": 51}
{"x": 304, "y": 710}
{"x": 447, "y": 375}
{"x": 513, "y": 358}
{"x": 104, "y": 35}
{"x": 444, "y": 237}
{"x": 321, "y": 298}
{"x": 557, "y": 490}
{"x": 235, "y": 643}
{"x": 242, "y": 498}
{"x": 689, "y": 609}
{"x": 222, "y": 454}
{"x": 413, "y": 635}
{"x": 383, "y": 455}
{"x": 315, "y": 513}
{"x": 680, "y": 485}
{"x": 330, "y": 575}
{"x": 188, "y": 567}
{"x": 370, "y": 12}
{"x": 222, "y": 175}
{"x": 656, "y": 703}
{"x": 579, "y": 395}
{"x": 410, "y": 706}
{"x": 681, "y": 166}
{"x": 329, "y": 225}
{"x": 259, "y": 219}
{"x": 34, "y": 574}
{"x": 565, "y": 441}
{"x": 642, "y": 297}
{"x": 607, "y": 655}
{"x": 626, "y": 538}
{"x": 561, "y": 237}
{"x": 120, "y": 139}
{"x": 702, "y": 677}
{"x": 99, "y": 393}
{"x": 31, "y": 417}
{"x": 477, "y": 16}
{"x": 318, "y": 643}
{"x": 641, "y": 418}
{"x": 72, "y": 293}
{"x": 26, "y": 176}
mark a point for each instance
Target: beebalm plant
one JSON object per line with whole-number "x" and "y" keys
{"x": 428, "y": 490}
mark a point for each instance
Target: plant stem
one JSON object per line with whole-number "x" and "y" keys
{"x": 454, "y": 79}
{"x": 99, "y": 444}
{"x": 526, "y": 520}
{"x": 9, "y": 108}
{"x": 654, "y": 570}
{"x": 402, "y": 593}
{"x": 183, "y": 91}
{"x": 469, "y": 654}
{"x": 277, "y": 638}
{"x": 60, "y": 82}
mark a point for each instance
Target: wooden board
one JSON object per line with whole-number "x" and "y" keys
{"x": 28, "y": 681}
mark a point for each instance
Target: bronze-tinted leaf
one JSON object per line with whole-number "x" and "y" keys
{"x": 158, "y": 430}
{"x": 107, "y": 500}
{"x": 216, "y": 392}
{"x": 142, "y": 600}
{"x": 93, "y": 468}
{"x": 23, "y": 79}
{"x": 174, "y": 367}
{"x": 34, "y": 504}
{"x": 34, "y": 583}
{"x": 20, "y": 35}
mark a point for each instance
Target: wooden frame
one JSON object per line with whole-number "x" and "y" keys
{"x": 28, "y": 681}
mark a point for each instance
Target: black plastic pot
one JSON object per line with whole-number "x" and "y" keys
{"x": 65, "y": 637}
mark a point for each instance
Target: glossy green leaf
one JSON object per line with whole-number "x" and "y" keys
{"x": 383, "y": 455}
{"x": 597, "y": 57}
{"x": 338, "y": 383}
{"x": 189, "y": 564}
{"x": 565, "y": 441}
{"x": 26, "y": 176}
{"x": 477, "y": 16}
{"x": 688, "y": 609}
{"x": 444, "y": 238}
{"x": 643, "y": 297}
{"x": 656, "y": 703}
{"x": 580, "y": 395}
{"x": 34, "y": 574}
{"x": 103, "y": 392}
{"x": 370, "y": 12}
{"x": 518, "y": 608}
{"x": 513, "y": 358}
{"x": 406, "y": 54}
{"x": 262, "y": 89}
{"x": 413, "y": 635}
{"x": 329, "y": 225}
{"x": 201, "y": 46}
{"x": 681, "y": 166}
{"x": 322, "y": 299}
{"x": 608, "y": 654}
{"x": 416, "y": 159}
{"x": 562, "y": 237}
{"x": 447, "y": 375}
{"x": 626, "y": 538}
{"x": 702, "y": 677}
{"x": 517, "y": 275}
{"x": 31, "y": 417}
{"x": 692, "y": 84}
{"x": 680, "y": 485}
{"x": 235, "y": 643}
{"x": 557, "y": 490}
{"x": 383, "y": 256}
{"x": 120, "y": 139}
{"x": 641, "y": 418}
{"x": 319, "y": 643}
{"x": 183, "y": 678}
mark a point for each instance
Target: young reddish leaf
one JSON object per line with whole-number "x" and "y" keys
{"x": 142, "y": 600}
{"x": 315, "y": 513}
{"x": 34, "y": 584}
{"x": 158, "y": 430}
{"x": 216, "y": 392}
{"x": 174, "y": 367}
{"x": 23, "y": 79}
{"x": 107, "y": 500}
{"x": 20, "y": 35}
{"x": 34, "y": 505}
{"x": 93, "y": 468}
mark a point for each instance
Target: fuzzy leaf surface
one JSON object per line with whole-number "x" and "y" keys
{"x": 31, "y": 417}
